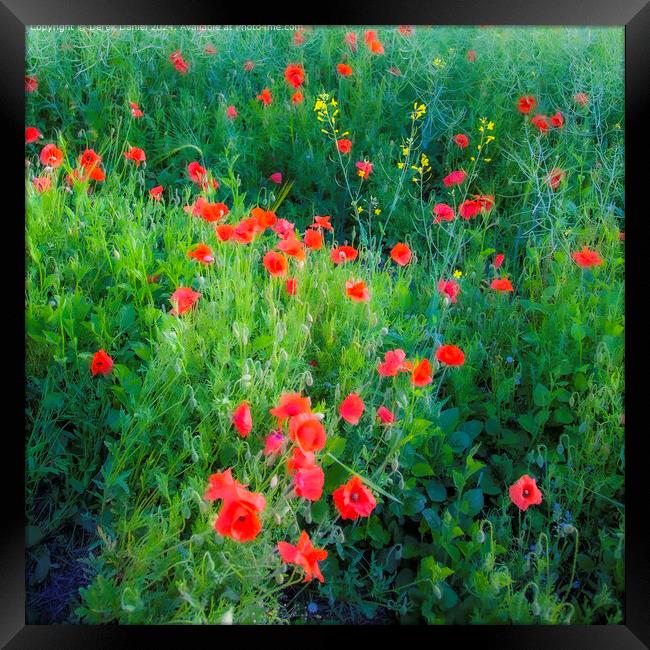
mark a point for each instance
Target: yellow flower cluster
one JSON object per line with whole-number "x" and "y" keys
{"x": 422, "y": 169}
{"x": 418, "y": 111}
{"x": 485, "y": 125}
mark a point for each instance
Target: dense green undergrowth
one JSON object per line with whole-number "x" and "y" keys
{"x": 117, "y": 465}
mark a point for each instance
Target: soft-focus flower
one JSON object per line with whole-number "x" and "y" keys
{"x": 581, "y": 99}
{"x": 322, "y": 223}
{"x": 179, "y": 62}
{"x": 202, "y": 253}
{"x": 156, "y": 192}
{"x": 283, "y": 228}
{"x": 394, "y": 362}
{"x": 443, "y": 212}
{"x": 308, "y": 482}
{"x": 32, "y": 134}
{"x": 276, "y": 178}
{"x": 344, "y": 145}
{"x": 351, "y": 40}
{"x": 290, "y": 405}
{"x": 449, "y": 289}
{"x": 135, "y": 154}
{"x": 51, "y": 156}
{"x": 455, "y": 178}
{"x": 555, "y": 178}
{"x": 586, "y": 258}
{"x": 273, "y": 443}
{"x": 303, "y": 555}
{"x": 265, "y": 97}
{"x": 183, "y": 299}
{"x": 526, "y": 104}
{"x": 421, "y": 374}
{"x": 557, "y": 120}
{"x": 31, "y": 84}
{"x": 365, "y": 168}
{"x": 248, "y": 65}
{"x": 385, "y": 415}
{"x": 351, "y": 408}
{"x": 343, "y": 254}
{"x": 209, "y": 49}
{"x": 357, "y": 291}
{"x": 231, "y": 112}
{"x": 353, "y": 499}
{"x": 501, "y": 284}
{"x": 344, "y": 69}
{"x": 307, "y": 431}
{"x": 276, "y": 264}
{"x": 295, "y": 75}
{"x": 297, "y": 98}
{"x": 541, "y": 122}
{"x": 225, "y": 232}
{"x": 313, "y": 239}
{"x": 212, "y": 212}
{"x": 450, "y": 355}
{"x": 102, "y": 364}
{"x": 291, "y": 285}
{"x": 242, "y": 419}
{"x": 401, "y": 254}
{"x": 471, "y": 56}
{"x": 461, "y": 140}
{"x": 525, "y": 493}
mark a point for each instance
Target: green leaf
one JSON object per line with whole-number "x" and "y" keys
{"x": 474, "y": 500}
{"x": 541, "y": 395}
{"x": 33, "y": 535}
{"x": 436, "y": 491}
{"x": 422, "y": 469}
{"x": 449, "y": 419}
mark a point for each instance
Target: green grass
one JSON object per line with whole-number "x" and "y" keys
{"x": 117, "y": 466}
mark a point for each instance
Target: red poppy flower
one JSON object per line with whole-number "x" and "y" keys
{"x": 264, "y": 218}
{"x": 450, "y": 355}
{"x": 223, "y": 485}
{"x": 526, "y": 104}
{"x": 291, "y": 285}
{"x": 283, "y": 228}
{"x": 295, "y": 75}
{"x": 395, "y": 71}
{"x": 248, "y": 65}
{"x": 135, "y": 110}
{"x": 156, "y": 192}
{"x": 89, "y": 158}
{"x": 183, "y": 299}
{"x": 557, "y": 120}
{"x": 265, "y": 97}
{"x": 353, "y": 499}
{"x": 344, "y": 69}
{"x": 344, "y": 145}
{"x": 461, "y": 140}
{"x": 276, "y": 264}
{"x": 471, "y": 56}
{"x": 245, "y": 231}
{"x": 42, "y": 183}
{"x": 297, "y": 98}
{"x": 308, "y": 483}
{"x": 385, "y": 415}
{"x": 581, "y": 99}
{"x": 292, "y": 247}
{"x": 586, "y": 258}
{"x": 300, "y": 460}
{"x": 501, "y": 284}
{"x": 242, "y": 419}
{"x": 421, "y": 374}
{"x": 135, "y": 154}
{"x": 303, "y": 555}
{"x": 351, "y": 40}
{"x": 376, "y": 47}
{"x": 97, "y": 174}
{"x": 322, "y": 222}
{"x": 343, "y": 254}
{"x": 276, "y": 178}
{"x": 498, "y": 260}
{"x": 32, "y": 134}
{"x": 443, "y": 212}
{"x": 313, "y": 239}
{"x": 449, "y": 289}
{"x": 298, "y": 37}
{"x": 225, "y": 231}
{"x": 202, "y": 253}
{"x": 469, "y": 209}
{"x": 351, "y": 408}
{"x": 405, "y": 30}
{"x": 231, "y": 112}
{"x": 178, "y": 62}
{"x": 196, "y": 172}
{"x": 31, "y": 84}
{"x": 455, "y": 178}
{"x": 101, "y": 364}
{"x": 357, "y": 291}
{"x": 394, "y": 362}
{"x": 51, "y": 156}
{"x": 291, "y": 404}
{"x": 212, "y": 212}
{"x": 401, "y": 254}
{"x": 365, "y": 168}
{"x": 238, "y": 518}
{"x": 555, "y": 178}
{"x": 541, "y": 122}
{"x": 273, "y": 443}
{"x": 307, "y": 431}
{"x": 525, "y": 493}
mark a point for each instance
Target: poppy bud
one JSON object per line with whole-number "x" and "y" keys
{"x": 310, "y": 318}
{"x": 274, "y": 481}
{"x": 116, "y": 254}
{"x": 536, "y": 608}
{"x": 279, "y": 578}
{"x": 226, "y": 619}
{"x": 309, "y": 380}
{"x": 246, "y": 378}
{"x": 304, "y": 329}
{"x": 480, "y": 536}
{"x": 284, "y": 356}
{"x": 383, "y": 331}
{"x": 437, "y": 592}
{"x": 394, "y": 464}
{"x": 278, "y": 518}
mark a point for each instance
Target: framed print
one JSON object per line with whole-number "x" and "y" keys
{"x": 325, "y": 324}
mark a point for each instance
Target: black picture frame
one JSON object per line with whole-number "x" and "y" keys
{"x": 16, "y": 15}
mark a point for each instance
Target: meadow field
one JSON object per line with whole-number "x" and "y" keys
{"x": 325, "y": 325}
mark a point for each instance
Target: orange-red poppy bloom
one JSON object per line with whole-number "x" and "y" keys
{"x": 455, "y": 178}
{"x": 179, "y": 62}
{"x": 276, "y": 264}
{"x": 231, "y": 112}
{"x": 225, "y": 232}
{"x": 450, "y": 355}
{"x": 405, "y": 30}
{"x": 298, "y": 37}
{"x": 135, "y": 154}
{"x": 51, "y": 156}
{"x": 197, "y": 172}
{"x": 525, "y": 493}
{"x": 183, "y": 299}
{"x": 308, "y": 482}
{"x": 32, "y": 134}
{"x": 295, "y": 75}
{"x": 421, "y": 375}
{"x": 283, "y": 228}
{"x": 385, "y": 415}
{"x": 291, "y": 285}
{"x": 293, "y": 247}
{"x": 135, "y": 110}
{"x": 42, "y": 183}
{"x": 322, "y": 222}
{"x": 212, "y": 212}
{"x": 449, "y": 289}
{"x": 350, "y": 39}
{"x": 273, "y": 443}
{"x": 394, "y": 362}
{"x": 364, "y": 168}
{"x": 501, "y": 284}
{"x": 313, "y": 239}
{"x": 307, "y": 431}
{"x": 264, "y": 218}
{"x": 586, "y": 258}
{"x": 297, "y": 98}
{"x": 541, "y": 122}
{"x": 102, "y": 364}
{"x": 304, "y": 555}
{"x": 557, "y": 120}
{"x": 526, "y": 104}
{"x": 555, "y": 178}
{"x": 300, "y": 460}
{"x": 265, "y": 97}
{"x": 353, "y": 499}
{"x": 342, "y": 254}
{"x": 498, "y": 260}
{"x": 156, "y": 192}
{"x": 357, "y": 291}
{"x": 344, "y": 145}
{"x": 471, "y": 56}
{"x": 352, "y": 408}
{"x": 344, "y": 69}
{"x": 31, "y": 84}
{"x": 401, "y": 254}
{"x": 248, "y": 65}
{"x": 290, "y": 405}
{"x": 242, "y": 419}
{"x": 443, "y": 212}
{"x": 202, "y": 253}
{"x": 461, "y": 140}
{"x": 581, "y": 99}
